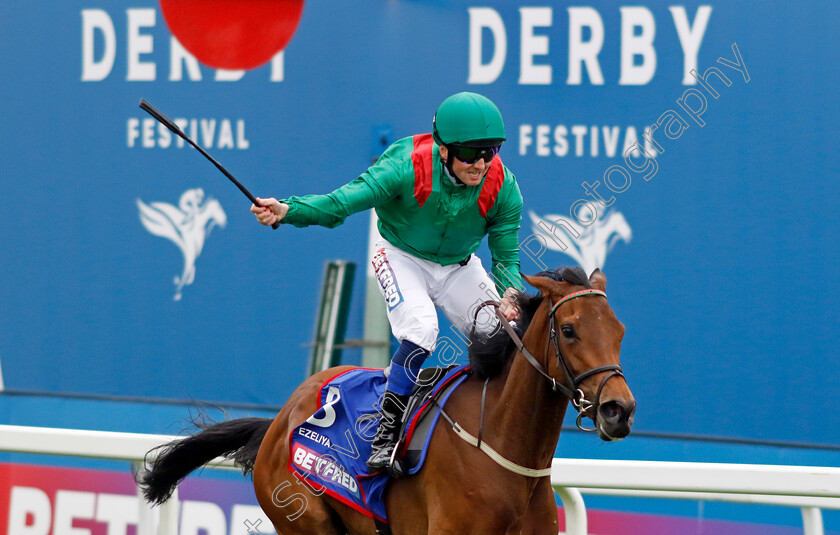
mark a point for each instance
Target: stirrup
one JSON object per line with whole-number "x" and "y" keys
{"x": 382, "y": 457}
{"x": 395, "y": 468}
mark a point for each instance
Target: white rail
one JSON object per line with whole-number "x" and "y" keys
{"x": 81, "y": 443}
{"x": 811, "y": 488}
{"x": 104, "y": 445}
{"x": 806, "y": 487}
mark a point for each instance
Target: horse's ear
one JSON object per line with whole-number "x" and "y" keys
{"x": 543, "y": 284}
{"x": 598, "y": 280}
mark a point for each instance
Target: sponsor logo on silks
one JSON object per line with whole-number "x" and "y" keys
{"x": 385, "y": 276}
{"x": 187, "y": 225}
{"x": 324, "y": 467}
{"x": 588, "y": 245}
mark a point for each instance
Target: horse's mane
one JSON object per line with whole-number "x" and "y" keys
{"x": 489, "y": 354}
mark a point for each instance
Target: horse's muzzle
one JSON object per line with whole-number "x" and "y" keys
{"x": 615, "y": 418}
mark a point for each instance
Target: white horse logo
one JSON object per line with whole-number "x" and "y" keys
{"x": 187, "y": 226}
{"x": 587, "y": 245}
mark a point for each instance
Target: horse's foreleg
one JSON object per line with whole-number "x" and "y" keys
{"x": 541, "y": 514}
{"x": 407, "y": 508}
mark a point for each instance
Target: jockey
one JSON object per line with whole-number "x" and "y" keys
{"x": 436, "y": 195}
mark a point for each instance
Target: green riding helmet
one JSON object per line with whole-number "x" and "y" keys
{"x": 468, "y": 119}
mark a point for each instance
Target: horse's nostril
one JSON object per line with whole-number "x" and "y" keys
{"x": 611, "y": 411}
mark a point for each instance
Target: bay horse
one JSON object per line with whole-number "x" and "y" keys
{"x": 569, "y": 352}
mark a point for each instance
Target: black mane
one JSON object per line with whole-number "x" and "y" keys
{"x": 489, "y": 354}
{"x": 573, "y": 275}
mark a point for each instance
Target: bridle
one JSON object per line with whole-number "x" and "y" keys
{"x": 572, "y": 388}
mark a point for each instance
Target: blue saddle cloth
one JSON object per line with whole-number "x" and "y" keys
{"x": 329, "y": 450}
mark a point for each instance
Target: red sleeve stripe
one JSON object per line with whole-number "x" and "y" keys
{"x": 492, "y": 186}
{"x": 421, "y": 157}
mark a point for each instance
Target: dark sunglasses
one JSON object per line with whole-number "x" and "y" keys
{"x": 470, "y": 155}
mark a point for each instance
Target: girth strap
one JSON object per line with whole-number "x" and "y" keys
{"x": 493, "y": 454}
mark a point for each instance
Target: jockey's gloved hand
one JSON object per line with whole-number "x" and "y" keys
{"x": 509, "y": 306}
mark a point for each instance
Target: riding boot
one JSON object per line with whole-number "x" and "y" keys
{"x": 393, "y": 406}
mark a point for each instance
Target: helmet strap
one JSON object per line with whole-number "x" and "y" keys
{"x": 447, "y": 164}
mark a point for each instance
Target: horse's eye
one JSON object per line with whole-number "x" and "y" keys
{"x": 568, "y": 331}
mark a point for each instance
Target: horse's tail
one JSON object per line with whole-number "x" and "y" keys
{"x": 235, "y": 439}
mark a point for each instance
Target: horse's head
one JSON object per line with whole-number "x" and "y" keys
{"x": 584, "y": 345}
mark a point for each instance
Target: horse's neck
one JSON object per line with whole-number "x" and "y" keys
{"x": 529, "y": 414}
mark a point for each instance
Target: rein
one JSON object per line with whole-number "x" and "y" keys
{"x": 571, "y": 389}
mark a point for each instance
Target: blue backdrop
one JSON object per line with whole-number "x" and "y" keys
{"x": 721, "y": 263}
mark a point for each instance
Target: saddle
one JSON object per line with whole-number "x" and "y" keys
{"x": 422, "y": 412}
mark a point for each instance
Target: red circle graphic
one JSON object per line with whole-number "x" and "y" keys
{"x": 233, "y": 34}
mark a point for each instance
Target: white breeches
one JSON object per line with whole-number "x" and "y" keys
{"x": 413, "y": 287}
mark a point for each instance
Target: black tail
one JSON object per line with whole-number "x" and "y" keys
{"x": 235, "y": 439}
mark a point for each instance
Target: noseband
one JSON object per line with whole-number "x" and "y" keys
{"x": 572, "y": 388}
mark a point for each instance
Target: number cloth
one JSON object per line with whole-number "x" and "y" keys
{"x": 328, "y": 451}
